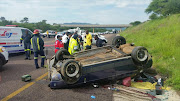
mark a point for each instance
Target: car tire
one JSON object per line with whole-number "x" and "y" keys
{"x": 2, "y": 59}
{"x": 104, "y": 42}
{"x": 118, "y": 40}
{"x": 149, "y": 63}
{"x": 60, "y": 53}
{"x": 140, "y": 55}
{"x": 71, "y": 71}
{"x": 1, "y": 63}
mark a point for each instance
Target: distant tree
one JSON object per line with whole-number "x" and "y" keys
{"x": 135, "y": 23}
{"x": 26, "y": 19}
{"x": 22, "y": 21}
{"x": 157, "y": 7}
{"x": 44, "y": 21}
{"x": 14, "y": 21}
{"x": 153, "y": 16}
{"x": 163, "y": 8}
{"x": 173, "y": 7}
{"x": 2, "y": 18}
{"x": 5, "y": 22}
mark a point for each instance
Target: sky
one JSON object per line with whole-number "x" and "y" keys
{"x": 67, "y": 11}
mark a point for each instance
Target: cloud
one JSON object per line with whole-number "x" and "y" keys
{"x": 123, "y": 3}
{"x": 60, "y": 11}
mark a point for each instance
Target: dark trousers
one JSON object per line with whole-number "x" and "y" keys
{"x": 66, "y": 45}
{"x": 41, "y": 53}
{"x": 27, "y": 49}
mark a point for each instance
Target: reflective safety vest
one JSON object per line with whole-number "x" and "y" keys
{"x": 73, "y": 46}
{"x": 37, "y": 43}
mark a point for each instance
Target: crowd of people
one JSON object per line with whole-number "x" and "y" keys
{"x": 72, "y": 42}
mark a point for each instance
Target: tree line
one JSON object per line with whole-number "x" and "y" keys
{"x": 32, "y": 26}
{"x": 43, "y": 25}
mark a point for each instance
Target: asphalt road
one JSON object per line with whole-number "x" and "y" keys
{"x": 13, "y": 89}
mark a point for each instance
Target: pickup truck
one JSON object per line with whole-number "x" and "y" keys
{"x": 90, "y": 66}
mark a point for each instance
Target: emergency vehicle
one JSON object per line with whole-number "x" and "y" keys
{"x": 10, "y": 38}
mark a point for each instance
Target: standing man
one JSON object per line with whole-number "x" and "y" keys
{"x": 87, "y": 40}
{"x": 65, "y": 39}
{"x": 47, "y": 33}
{"x": 38, "y": 46}
{"x": 58, "y": 43}
{"x": 99, "y": 42}
{"x": 74, "y": 44}
{"x": 26, "y": 38}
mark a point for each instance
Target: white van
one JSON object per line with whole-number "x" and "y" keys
{"x": 10, "y": 38}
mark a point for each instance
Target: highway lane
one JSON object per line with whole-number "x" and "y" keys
{"x": 11, "y": 81}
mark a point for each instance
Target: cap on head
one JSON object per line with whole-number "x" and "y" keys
{"x": 36, "y": 31}
{"x": 96, "y": 37}
{"x": 58, "y": 36}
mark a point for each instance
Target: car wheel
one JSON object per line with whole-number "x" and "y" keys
{"x": 71, "y": 71}
{"x": 149, "y": 63}
{"x": 104, "y": 42}
{"x": 140, "y": 55}
{"x": 118, "y": 40}
{"x": 2, "y": 60}
{"x": 60, "y": 53}
{"x": 1, "y": 63}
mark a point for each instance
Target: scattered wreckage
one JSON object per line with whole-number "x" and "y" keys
{"x": 110, "y": 62}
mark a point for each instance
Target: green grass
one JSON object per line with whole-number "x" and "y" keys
{"x": 162, "y": 39}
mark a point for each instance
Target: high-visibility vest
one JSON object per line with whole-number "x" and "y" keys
{"x": 73, "y": 46}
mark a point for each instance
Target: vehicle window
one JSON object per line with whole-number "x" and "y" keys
{"x": 24, "y": 31}
{"x": 29, "y": 32}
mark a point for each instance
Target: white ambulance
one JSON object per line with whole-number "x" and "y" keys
{"x": 10, "y": 38}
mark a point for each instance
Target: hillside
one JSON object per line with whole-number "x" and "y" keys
{"x": 162, "y": 39}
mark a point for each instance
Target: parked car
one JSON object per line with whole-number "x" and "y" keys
{"x": 93, "y": 65}
{"x": 59, "y": 33}
{"x": 3, "y": 56}
{"x": 10, "y": 38}
{"x": 51, "y": 33}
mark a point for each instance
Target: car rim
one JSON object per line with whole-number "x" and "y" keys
{"x": 142, "y": 55}
{"x": 72, "y": 69}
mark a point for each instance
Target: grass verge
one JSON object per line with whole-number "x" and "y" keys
{"x": 162, "y": 39}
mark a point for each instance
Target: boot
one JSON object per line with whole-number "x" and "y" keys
{"x": 36, "y": 63}
{"x": 26, "y": 55}
{"x": 42, "y": 62}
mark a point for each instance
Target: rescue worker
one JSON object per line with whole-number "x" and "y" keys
{"x": 47, "y": 34}
{"x": 58, "y": 43}
{"x": 26, "y": 38}
{"x": 99, "y": 42}
{"x": 87, "y": 41}
{"x": 74, "y": 44}
{"x": 65, "y": 40}
{"x": 38, "y": 46}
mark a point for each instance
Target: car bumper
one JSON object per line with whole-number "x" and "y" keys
{"x": 6, "y": 55}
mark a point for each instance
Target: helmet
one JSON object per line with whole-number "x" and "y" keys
{"x": 36, "y": 31}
